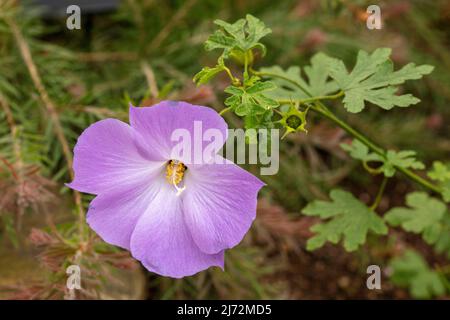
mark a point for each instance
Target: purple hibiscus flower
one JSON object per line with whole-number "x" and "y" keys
{"x": 175, "y": 215}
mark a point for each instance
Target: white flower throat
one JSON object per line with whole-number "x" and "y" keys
{"x": 175, "y": 173}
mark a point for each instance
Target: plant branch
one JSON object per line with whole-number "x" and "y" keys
{"x": 99, "y": 57}
{"x": 14, "y": 136}
{"x": 17, "y": 151}
{"x": 150, "y": 77}
{"x": 176, "y": 19}
{"x": 245, "y": 66}
{"x": 224, "y": 110}
{"x": 50, "y": 107}
{"x": 324, "y": 111}
{"x": 379, "y": 194}
{"x": 314, "y": 99}
{"x": 275, "y": 75}
{"x": 321, "y": 109}
{"x": 235, "y": 81}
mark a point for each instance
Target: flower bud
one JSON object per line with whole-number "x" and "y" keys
{"x": 239, "y": 56}
{"x": 293, "y": 120}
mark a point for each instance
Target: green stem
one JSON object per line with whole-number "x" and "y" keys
{"x": 379, "y": 194}
{"x": 321, "y": 109}
{"x": 245, "y": 66}
{"x": 324, "y": 111}
{"x": 314, "y": 99}
{"x": 234, "y": 80}
{"x": 419, "y": 180}
{"x": 224, "y": 110}
{"x": 371, "y": 170}
{"x": 274, "y": 75}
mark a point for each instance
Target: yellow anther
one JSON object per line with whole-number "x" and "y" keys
{"x": 174, "y": 174}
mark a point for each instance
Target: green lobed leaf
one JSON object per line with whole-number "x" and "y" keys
{"x": 252, "y": 100}
{"x": 402, "y": 159}
{"x": 285, "y": 81}
{"x": 208, "y": 73}
{"x": 349, "y": 220}
{"x": 413, "y": 272}
{"x": 442, "y": 244}
{"x": 391, "y": 160}
{"x": 446, "y": 191}
{"x": 373, "y": 79}
{"x": 243, "y": 35}
{"x": 317, "y": 83}
{"x": 424, "y": 216}
{"x": 257, "y": 121}
{"x": 441, "y": 173}
{"x": 360, "y": 151}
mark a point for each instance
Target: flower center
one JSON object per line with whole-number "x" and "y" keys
{"x": 293, "y": 122}
{"x": 175, "y": 173}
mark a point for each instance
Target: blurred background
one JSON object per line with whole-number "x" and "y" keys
{"x": 54, "y": 82}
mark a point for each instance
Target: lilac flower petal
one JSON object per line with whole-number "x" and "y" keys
{"x": 162, "y": 242}
{"x": 109, "y": 154}
{"x": 113, "y": 215}
{"x": 157, "y": 124}
{"x": 220, "y": 204}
